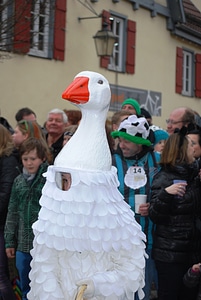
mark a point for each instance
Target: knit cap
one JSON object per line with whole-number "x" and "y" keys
{"x": 145, "y": 113}
{"x": 159, "y": 135}
{"x": 134, "y": 104}
{"x": 134, "y": 129}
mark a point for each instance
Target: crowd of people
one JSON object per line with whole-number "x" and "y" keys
{"x": 162, "y": 164}
{"x": 25, "y": 153}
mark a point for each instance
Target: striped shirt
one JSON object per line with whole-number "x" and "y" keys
{"x": 148, "y": 160}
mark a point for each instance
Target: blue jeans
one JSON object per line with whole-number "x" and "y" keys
{"x": 23, "y": 266}
{"x": 6, "y": 290}
{"x": 150, "y": 277}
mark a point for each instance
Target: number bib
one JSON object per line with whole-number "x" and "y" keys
{"x": 135, "y": 177}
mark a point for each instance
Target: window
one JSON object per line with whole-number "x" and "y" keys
{"x": 3, "y": 23}
{"x": 187, "y": 73}
{"x": 39, "y": 33}
{"x": 39, "y": 28}
{"x": 123, "y": 59}
{"x": 118, "y": 28}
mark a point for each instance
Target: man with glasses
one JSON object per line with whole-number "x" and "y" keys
{"x": 179, "y": 117}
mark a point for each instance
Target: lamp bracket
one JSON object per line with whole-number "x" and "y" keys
{"x": 88, "y": 6}
{"x": 87, "y": 18}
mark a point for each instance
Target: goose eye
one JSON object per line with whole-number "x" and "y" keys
{"x": 100, "y": 81}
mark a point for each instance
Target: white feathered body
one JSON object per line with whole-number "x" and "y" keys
{"x": 87, "y": 231}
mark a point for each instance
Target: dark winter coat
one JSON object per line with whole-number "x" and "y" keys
{"x": 56, "y": 147}
{"x": 23, "y": 210}
{"x": 9, "y": 169}
{"x": 192, "y": 279}
{"x": 176, "y": 238}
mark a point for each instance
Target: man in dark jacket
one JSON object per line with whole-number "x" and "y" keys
{"x": 55, "y": 126}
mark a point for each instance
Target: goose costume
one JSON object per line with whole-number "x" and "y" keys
{"x": 85, "y": 232}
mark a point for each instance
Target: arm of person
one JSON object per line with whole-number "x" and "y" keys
{"x": 161, "y": 200}
{"x": 8, "y": 172}
{"x": 10, "y": 252}
{"x": 192, "y": 276}
{"x": 144, "y": 209}
{"x": 120, "y": 280}
{"x": 11, "y": 225}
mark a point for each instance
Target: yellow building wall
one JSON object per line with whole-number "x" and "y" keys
{"x": 197, "y": 3}
{"x": 38, "y": 83}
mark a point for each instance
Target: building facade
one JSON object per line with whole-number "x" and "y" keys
{"x": 156, "y": 57}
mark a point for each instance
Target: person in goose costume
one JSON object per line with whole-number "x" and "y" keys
{"x": 86, "y": 232}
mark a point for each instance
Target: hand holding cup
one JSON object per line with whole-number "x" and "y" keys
{"x": 141, "y": 207}
{"x": 178, "y": 188}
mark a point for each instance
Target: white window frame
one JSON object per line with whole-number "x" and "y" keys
{"x": 35, "y": 33}
{"x": 187, "y": 73}
{"x": 118, "y": 28}
{"x": 3, "y": 18}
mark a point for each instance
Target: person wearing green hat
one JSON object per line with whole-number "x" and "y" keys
{"x": 136, "y": 164}
{"x": 132, "y": 105}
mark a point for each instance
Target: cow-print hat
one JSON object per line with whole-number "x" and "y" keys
{"x": 134, "y": 129}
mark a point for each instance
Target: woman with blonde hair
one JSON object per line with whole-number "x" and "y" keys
{"x": 25, "y": 129}
{"x": 174, "y": 204}
{"x": 8, "y": 171}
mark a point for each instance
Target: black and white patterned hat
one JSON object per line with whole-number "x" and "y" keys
{"x": 134, "y": 129}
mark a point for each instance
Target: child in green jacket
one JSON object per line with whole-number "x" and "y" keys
{"x": 24, "y": 207}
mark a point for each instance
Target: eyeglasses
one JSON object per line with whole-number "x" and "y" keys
{"x": 68, "y": 133}
{"x": 171, "y": 122}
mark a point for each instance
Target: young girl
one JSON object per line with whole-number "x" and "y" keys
{"x": 159, "y": 138}
{"x": 24, "y": 130}
{"x": 24, "y": 207}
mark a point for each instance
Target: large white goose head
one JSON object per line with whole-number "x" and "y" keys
{"x": 89, "y": 90}
{"x": 88, "y": 148}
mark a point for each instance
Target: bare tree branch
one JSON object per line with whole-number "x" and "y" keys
{"x": 17, "y": 20}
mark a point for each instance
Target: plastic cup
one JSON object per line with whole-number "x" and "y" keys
{"x": 139, "y": 199}
{"x": 179, "y": 181}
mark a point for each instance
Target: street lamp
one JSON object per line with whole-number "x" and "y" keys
{"x": 104, "y": 41}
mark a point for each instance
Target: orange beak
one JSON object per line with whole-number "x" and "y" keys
{"x": 77, "y": 92}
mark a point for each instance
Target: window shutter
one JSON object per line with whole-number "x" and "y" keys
{"x": 104, "y": 61}
{"x": 179, "y": 70}
{"x": 130, "y": 51}
{"x": 59, "y": 29}
{"x": 198, "y": 75}
{"x": 22, "y": 24}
